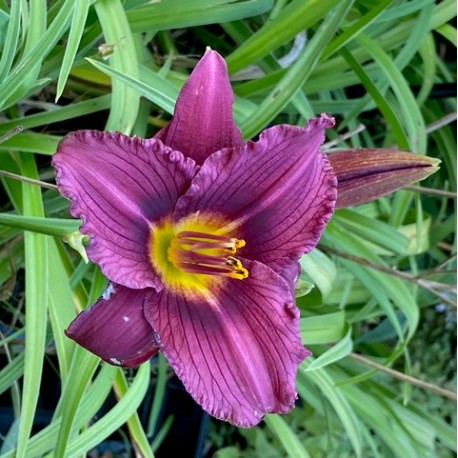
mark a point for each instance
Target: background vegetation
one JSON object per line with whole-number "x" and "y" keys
{"x": 380, "y": 318}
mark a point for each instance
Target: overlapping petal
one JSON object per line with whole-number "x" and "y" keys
{"x": 115, "y": 328}
{"x": 118, "y": 185}
{"x": 203, "y": 121}
{"x": 290, "y": 272}
{"x": 237, "y": 353}
{"x": 277, "y": 193}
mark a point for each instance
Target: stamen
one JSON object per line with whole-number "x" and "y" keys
{"x": 208, "y": 254}
{"x": 201, "y": 240}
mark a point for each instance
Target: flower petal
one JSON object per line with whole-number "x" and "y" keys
{"x": 203, "y": 121}
{"x": 115, "y": 328}
{"x": 277, "y": 193}
{"x": 118, "y": 185}
{"x": 237, "y": 353}
{"x": 290, "y": 272}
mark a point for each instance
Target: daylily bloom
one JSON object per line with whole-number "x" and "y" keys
{"x": 200, "y": 235}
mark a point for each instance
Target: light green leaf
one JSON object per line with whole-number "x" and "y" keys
{"x": 159, "y": 93}
{"x": 116, "y": 417}
{"x": 288, "y": 438}
{"x": 125, "y": 102}
{"x": 11, "y": 39}
{"x": 80, "y": 11}
{"x": 50, "y": 226}
{"x": 339, "y": 351}
{"x": 323, "y": 329}
{"x": 325, "y": 383}
{"x": 175, "y": 14}
{"x": 36, "y": 284}
{"x": 320, "y": 270}
{"x": 294, "y": 18}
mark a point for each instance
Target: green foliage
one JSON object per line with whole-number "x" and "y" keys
{"x": 382, "y": 276}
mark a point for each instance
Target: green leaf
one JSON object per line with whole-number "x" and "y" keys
{"x": 11, "y": 437}
{"x": 388, "y": 112}
{"x": 134, "y": 424}
{"x": 299, "y": 15}
{"x": 321, "y": 329}
{"x": 320, "y": 270}
{"x": 385, "y": 289}
{"x": 58, "y": 114}
{"x": 80, "y": 11}
{"x": 159, "y": 394}
{"x": 31, "y": 142}
{"x": 125, "y": 102}
{"x": 50, "y": 226}
{"x": 11, "y": 39}
{"x": 324, "y": 382}
{"x": 82, "y": 368}
{"x": 175, "y": 14}
{"x": 10, "y": 373}
{"x": 9, "y": 87}
{"x": 288, "y": 438}
{"x": 372, "y": 230}
{"x": 61, "y": 308}
{"x": 116, "y": 417}
{"x": 95, "y": 395}
{"x": 359, "y": 26}
{"x": 36, "y": 290}
{"x": 158, "y": 90}
{"x": 448, "y": 32}
{"x": 298, "y": 73}
{"x": 411, "y": 116}
{"x": 339, "y": 351}
{"x": 427, "y": 52}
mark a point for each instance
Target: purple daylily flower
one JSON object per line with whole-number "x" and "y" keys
{"x": 200, "y": 235}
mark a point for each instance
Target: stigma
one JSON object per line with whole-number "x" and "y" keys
{"x": 207, "y": 254}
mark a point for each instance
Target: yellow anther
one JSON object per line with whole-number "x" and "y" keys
{"x": 239, "y": 243}
{"x": 239, "y": 274}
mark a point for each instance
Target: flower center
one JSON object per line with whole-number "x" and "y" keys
{"x": 192, "y": 256}
{"x": 208, "y": 254}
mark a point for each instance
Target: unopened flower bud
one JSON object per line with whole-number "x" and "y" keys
{"x": 369, "y": 173}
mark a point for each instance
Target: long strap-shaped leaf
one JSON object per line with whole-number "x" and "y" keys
{"x": 294, "y": 78}
{"x": 36, "y": 295}
{"x": 125, "y": 102}
{"x": 10, "y": 87}
{"x": 80, "y": 11}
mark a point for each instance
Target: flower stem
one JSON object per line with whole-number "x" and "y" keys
{"x": 404, "y": 377}
{"x": 15, "y": 176}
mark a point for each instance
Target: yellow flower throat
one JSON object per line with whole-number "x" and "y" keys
{"x": 192, "y": 254}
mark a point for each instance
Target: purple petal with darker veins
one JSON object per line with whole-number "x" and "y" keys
{"x": 115, "y": 329}
{"x": 290, "y": 272}
{"x": 277, "y": 193}
{"x": 118, "y": 185}
{"x": 203, "y": 121}
{"x": 237, "y": 352}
